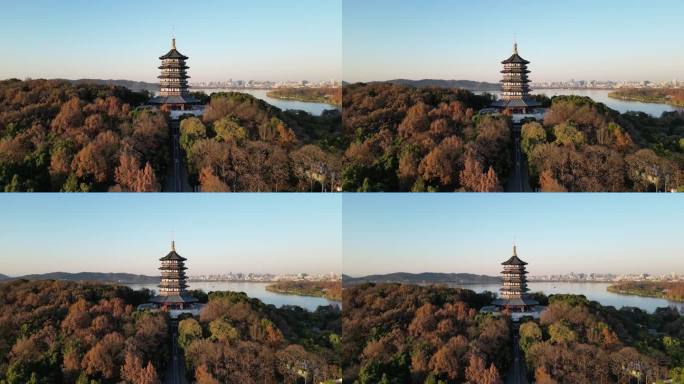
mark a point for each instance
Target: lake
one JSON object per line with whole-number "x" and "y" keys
{"x": 255, "y": 290}
{"x": 601, "y": 96}
{"x": 593, "y": 291}
{"x": 313, "y": 108}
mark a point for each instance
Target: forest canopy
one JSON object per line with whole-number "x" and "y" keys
{"x": 583, "y": 146}
{"x": 402, "y": 138}
{"x": 59, "y": 136}
{"x": 404, "y": 333}
{"x": 242, "y": 340}
{"x": 55, "y": 331}
{"x": 242, "y": 143}
{"x": 397, "y": 333}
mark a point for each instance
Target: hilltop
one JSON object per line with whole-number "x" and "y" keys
{"x": 423, "y": 278}
{"x": 122, "y": 278}
{"x": 470, "y": 85}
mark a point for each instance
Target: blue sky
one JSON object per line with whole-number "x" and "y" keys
{"x": 555, "y": 233}
{"x": 256, "y": 39}
{"x": 277, "y": 233}
{"x": 466, "y": 39}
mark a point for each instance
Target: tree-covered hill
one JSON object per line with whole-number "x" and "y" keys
{"x": 242, "y": 143}
{"x": 402, "y": 138}
{"x": 584, "y": 146}
{"x": 241, "y": 340}
{"x": 423, "y": 278}
{"x": 581, "y": 341}
{"x": 60, "y": 136}
{"x": 66, "y": 332}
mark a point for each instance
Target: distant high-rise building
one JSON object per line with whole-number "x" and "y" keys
{"x": 173, "y": 81}
{"x": 515, "y": 94}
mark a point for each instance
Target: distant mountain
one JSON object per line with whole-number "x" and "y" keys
{"x": 135, "y": 86}
{"x": 423, "y": 278}
{"x": 477, "y": 86}
{"x": 122, "y": 278}
{"x": 4, "y": 277}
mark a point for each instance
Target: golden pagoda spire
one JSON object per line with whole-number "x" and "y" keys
{"x": 173, "y": 43}
{"x": 515, "y": 253}
{"x": 173, "y": 245}
{"x": 515, "y": 48}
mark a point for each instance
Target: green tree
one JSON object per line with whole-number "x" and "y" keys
{"x": 567, "y": 134}
{"x": 530, "y": 333}
{"x": 561, "y": 333}
{"x": 532, "y": 134}
{"x": 188, "y": 330}
{"x": 223, "y": 330}
{"x": 229, "y": 129}
{"x": 191, "y": 130}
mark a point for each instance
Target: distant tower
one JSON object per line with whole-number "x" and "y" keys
{"x": 172, "y": 293}
{"x": 515, "y": 85}
{"x": 173, "y": 81}
{"x": 514, "y": 291}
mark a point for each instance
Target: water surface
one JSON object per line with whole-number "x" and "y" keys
{"x": 601, "y": 96}
{"x": 593, "y": 291}
{"x": 255, "y": 290}
{"x": 311, "y": 107}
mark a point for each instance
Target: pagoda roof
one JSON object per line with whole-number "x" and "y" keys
{"x": 183, "y": 298}
{"x": 514, "y": 260}
{"x": 515, "y": 302}
{"x": 173, "y": 100}
{"x": 515, "y": 58}
{"x": 173, "y": 255}
{"x": 173, "y": 53}
{"x": 516, "y": 103}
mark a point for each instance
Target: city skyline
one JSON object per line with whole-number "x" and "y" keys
{"x": 444, "y": 39}
{"x": 260, "y": 40}
{"x": 259, "y": 233}
{"x": 474, "y": 233}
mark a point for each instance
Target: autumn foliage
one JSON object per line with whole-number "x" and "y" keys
{"x": 413, "y": 334}
{"x": 242, "y": 340}
{"x": 57, "y": 136}
{"x": 418, "y": 139}
{"x": 583, "y": 146}
{"x": 244, "y": 144}
{"x": 578, "y": 341}
{"x": 53, "y": 332}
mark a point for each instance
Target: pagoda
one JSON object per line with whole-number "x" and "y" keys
{"x": 516, "y": 91}
{"x": 172, "y": 293}
{"x": 173, "y": 81}
{"x": 514, "y": 295}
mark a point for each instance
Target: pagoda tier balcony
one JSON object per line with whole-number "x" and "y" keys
{"x": 513, "y": 283}
{"x": 509, "y": 272}
{"x": 173, "y": 75}
{"x": 174, "y": 268}
{"x": 172, "y": 287}
{"x": 514, "y": 288}
{"x": 514, "y": 267}
{"x": 183, "y": 67}
{"x": 515, "y": 91}
{"x": 171, "y": 83}
{"x": 173, "y": 275}
{"x": 173, "y": 62}
{"x": 515, "y": 71}
{"x": 515, "y": 79}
